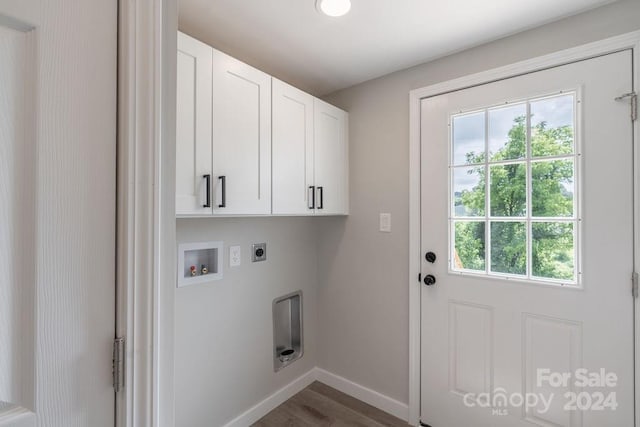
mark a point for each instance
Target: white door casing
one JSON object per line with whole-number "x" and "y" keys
{"x": 57, "y": 214}
{"x": 146, "y": 252}
{"x": 479, "y": 334}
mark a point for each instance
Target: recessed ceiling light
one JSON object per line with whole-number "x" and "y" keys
{"x": 334, "y": 7}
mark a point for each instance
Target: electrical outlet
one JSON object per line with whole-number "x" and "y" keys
{"x": 259, "y": 252}
{"x": 235, "y": 258}
{"x": 385, "y": 222}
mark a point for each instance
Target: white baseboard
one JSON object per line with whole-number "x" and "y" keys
{"x": 373, "y": 398}
{"x": 276, "y": 399}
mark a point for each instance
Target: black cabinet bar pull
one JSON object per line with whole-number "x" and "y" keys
{"x": 224, "y": 191}
{"x": 312, "y": 197}
{"x": 321, "y": 202}
{"x": 207, "y": 202}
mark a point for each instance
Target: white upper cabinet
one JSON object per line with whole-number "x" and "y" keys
{"x": 226, "y": 160}
{"x": 241, "y": 138}
{"x": 193, "y": 127}
{"x": 292, "y": 153}
{"x": 331, "y": 157}
{"x": 310, "y": 154}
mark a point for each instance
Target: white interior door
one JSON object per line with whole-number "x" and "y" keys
{"x": 57, "y": 212}
{"x": 527, "y": 204}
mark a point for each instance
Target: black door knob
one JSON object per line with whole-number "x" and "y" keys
{"x": 429, "y": 280}
{"x": 430, "y": 257}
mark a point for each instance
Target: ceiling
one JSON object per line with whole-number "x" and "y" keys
{"x": 290, "y": 40}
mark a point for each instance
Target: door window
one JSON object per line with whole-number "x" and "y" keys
{"x": 513, "y": 198}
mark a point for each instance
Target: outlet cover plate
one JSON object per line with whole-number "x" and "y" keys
{"x": 258, "y": 252}
{"x": 235, "y": 256}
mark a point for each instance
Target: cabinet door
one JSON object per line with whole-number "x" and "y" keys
{"x": 241, "y": 138}
{"x": 292, "y": 153}
{"x": 193, "y": 126}
{"x": 331, "y": 159}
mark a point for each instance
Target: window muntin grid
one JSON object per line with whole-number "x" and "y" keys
{"x": 514, "y": 176}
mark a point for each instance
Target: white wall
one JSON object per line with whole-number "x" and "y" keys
{"x": 223, "y": 333}
{"x": 363, "y": 281}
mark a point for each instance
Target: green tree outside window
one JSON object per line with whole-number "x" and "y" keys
{"x": 552, "y": 186}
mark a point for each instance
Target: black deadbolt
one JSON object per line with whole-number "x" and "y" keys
{"x": 431, "y": 257}
{"x": 429, "y": 280}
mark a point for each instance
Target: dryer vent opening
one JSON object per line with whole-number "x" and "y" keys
{"x": 287, "y": 330}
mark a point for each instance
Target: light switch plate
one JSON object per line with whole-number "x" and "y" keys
{"x": 385, "y": 222}
{"x": 235, "y": 256}
{"x": 259, "y": 252}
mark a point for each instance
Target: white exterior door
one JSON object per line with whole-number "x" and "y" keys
{"x": 193, "y": 127}
{"x": 57, "y": 212}
{"x": 241, "y": 137}
{"x": 527, "y": 205}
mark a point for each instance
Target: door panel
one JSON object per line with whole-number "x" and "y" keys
{"x": 57, "y": 212}
{"x": 241, "y": 137}
{"x": 488, "y": 329}
{"x": 17, "y": 216}
{"x": 292, "y": 154}
{"x": 193, "y": 126}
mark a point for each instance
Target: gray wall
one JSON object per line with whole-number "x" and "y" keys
{"x": 223, "y": 329}
{"x": 363, "y": 291}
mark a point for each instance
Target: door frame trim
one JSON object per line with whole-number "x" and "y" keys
{"x": 590, "y": 50}
{"x": 146, "y": 255}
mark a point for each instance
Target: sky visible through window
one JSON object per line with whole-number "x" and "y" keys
{"x": 469, "y": 129}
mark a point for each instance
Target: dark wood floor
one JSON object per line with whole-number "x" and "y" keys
{"x": 321, "y": 405}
